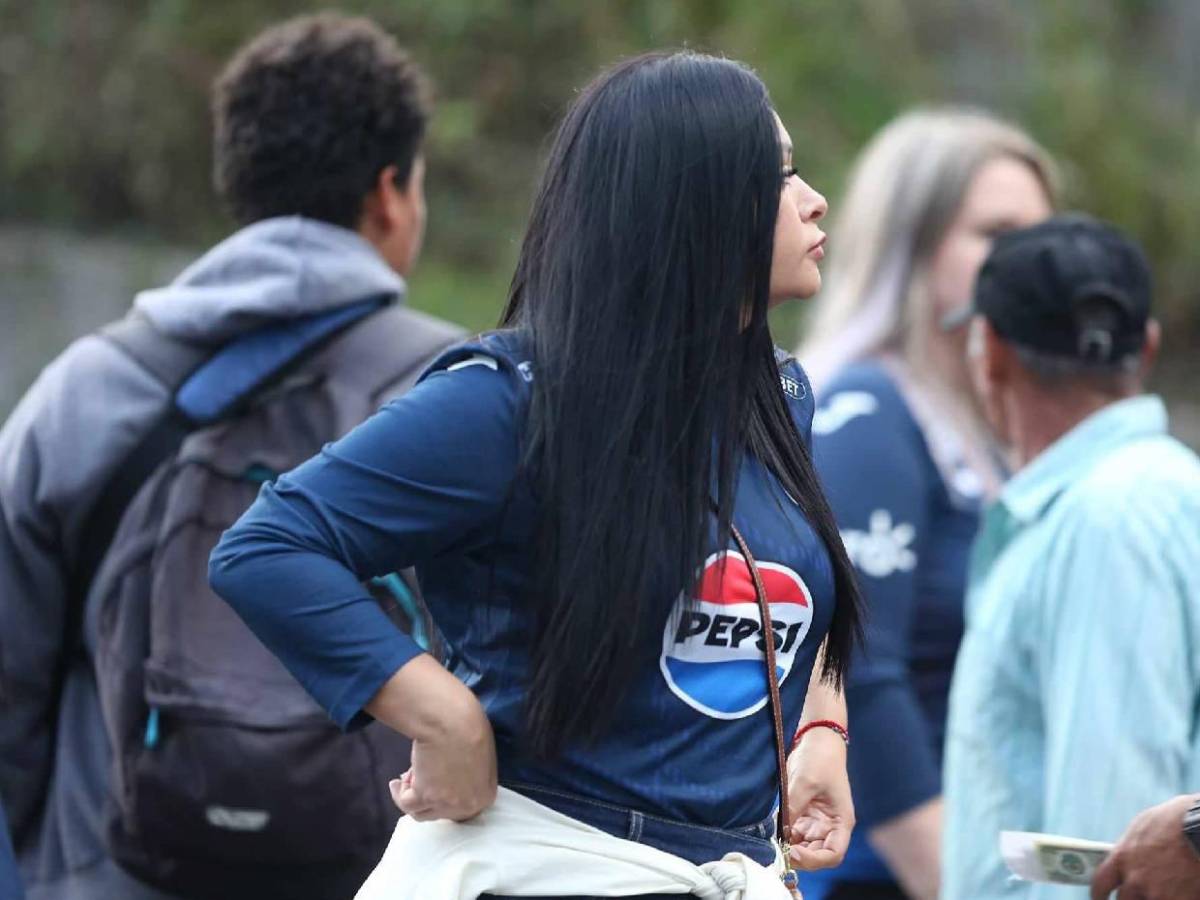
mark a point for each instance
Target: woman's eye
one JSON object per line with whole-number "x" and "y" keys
{"x": 789, "y": 172}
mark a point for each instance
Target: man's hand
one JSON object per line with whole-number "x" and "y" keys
{"x": 1153, "y": 860}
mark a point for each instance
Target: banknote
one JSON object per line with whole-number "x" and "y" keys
{"x": 1051, "y": 857}
{"x": 1069, "y": 865}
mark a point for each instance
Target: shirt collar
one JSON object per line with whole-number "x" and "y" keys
{"x": 1036, "y": 486}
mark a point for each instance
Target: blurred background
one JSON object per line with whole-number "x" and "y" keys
{"x": 104, "y": 129}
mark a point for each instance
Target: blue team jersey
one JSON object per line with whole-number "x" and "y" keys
{"x": 907, "y": 524}
{"x": 434, "y": 480}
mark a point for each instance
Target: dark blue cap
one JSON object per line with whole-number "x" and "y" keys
{"x": 1071, "y": 286}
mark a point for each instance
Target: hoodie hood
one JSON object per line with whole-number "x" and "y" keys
{"x": 275, "y": 269}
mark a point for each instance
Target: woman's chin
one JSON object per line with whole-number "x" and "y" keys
{"x": 804, "y": 288}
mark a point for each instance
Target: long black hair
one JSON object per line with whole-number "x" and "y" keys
{"x": 643, "y": 281}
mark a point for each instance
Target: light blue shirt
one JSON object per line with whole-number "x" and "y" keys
{"x": 1076, "y": 696}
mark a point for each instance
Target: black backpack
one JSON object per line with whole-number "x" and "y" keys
{"x": 228, "y": 780}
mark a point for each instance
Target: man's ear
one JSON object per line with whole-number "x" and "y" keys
{"x": 999, "y": 356}
{"x": 393, "y": 216}
{"x": 992, "y": 363}
{"x": 989, "y": 356}
{"x": 1151, "y": 347}
{"x": 383, "y": 202}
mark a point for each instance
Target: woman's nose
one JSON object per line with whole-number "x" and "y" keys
{"x": 813, "y": 205}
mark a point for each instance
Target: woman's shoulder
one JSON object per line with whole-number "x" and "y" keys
{"x": 506, "y": 350}
{"x": 793, "y": 378}
{"x": 483, "y": 382}
{"x": 797, "y": 391}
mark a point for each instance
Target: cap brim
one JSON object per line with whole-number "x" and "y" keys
{"x": 956, "y": 319}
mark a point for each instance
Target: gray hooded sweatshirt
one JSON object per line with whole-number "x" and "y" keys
{"x": 81, "y": 417}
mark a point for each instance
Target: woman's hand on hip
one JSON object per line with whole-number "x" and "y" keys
{"x": 819, "y": 799}
{"x": 453, "y": 773}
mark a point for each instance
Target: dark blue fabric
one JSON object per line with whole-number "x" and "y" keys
{"x": 909, "y": 539}
{"x": 861, "y": 866}
{"x": 432, "y": 480}
{"x": 10, "y": 878}
{"x": 245, "y": 363}
{"x": 696, "y": 843}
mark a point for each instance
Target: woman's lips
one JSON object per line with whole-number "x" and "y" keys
{"x": 817, "y": 250}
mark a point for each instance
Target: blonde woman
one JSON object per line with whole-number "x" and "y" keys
{"x": 904, "y": 456}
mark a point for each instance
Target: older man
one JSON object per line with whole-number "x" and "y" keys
{"x": 1075, "y": 696}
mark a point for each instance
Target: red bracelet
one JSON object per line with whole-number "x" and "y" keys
{"x": 821, "y": 723}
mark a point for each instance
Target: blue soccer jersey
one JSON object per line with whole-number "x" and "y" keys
{"x": 907, "y": 524}
{"x": 434, "y": 480}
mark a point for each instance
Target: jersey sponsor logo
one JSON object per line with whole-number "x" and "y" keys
{"x": 842, "y": 408}
{"x": 884, "y": 548}
{"x": 712, "y": 656}
{"x": 793, "y": 387}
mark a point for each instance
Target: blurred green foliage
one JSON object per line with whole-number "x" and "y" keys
{"x": 103, "y": 107}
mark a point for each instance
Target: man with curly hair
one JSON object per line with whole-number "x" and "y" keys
{"x": 319, "y": 123}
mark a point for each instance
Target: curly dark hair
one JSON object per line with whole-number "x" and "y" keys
{"x": 309, "y": 113}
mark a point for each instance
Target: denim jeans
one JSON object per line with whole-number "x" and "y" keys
{"x": 696, "y": 843}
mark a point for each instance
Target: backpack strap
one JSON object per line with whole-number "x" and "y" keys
{"x": 204, "y": 384}
{"x": 389, "y": 351}
{"x": 243, "y": 366}
{"x": 171, "y": 362}
{"x": 168, "y": 359}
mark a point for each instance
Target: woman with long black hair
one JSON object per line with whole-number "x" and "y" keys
{"x": 584, "y": 493}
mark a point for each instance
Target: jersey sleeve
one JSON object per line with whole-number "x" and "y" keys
{"x": 872, "y": 462}
{"x": 428, "y": 475}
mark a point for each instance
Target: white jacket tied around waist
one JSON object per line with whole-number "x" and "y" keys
{"x": 519, "y": 847}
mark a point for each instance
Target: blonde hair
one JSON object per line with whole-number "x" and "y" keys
{"x": 904, "y": 192}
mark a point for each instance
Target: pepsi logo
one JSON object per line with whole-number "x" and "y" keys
{"x": 713, "y": 645}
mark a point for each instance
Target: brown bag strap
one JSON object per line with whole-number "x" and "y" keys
{"x": 764, "y": 610}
